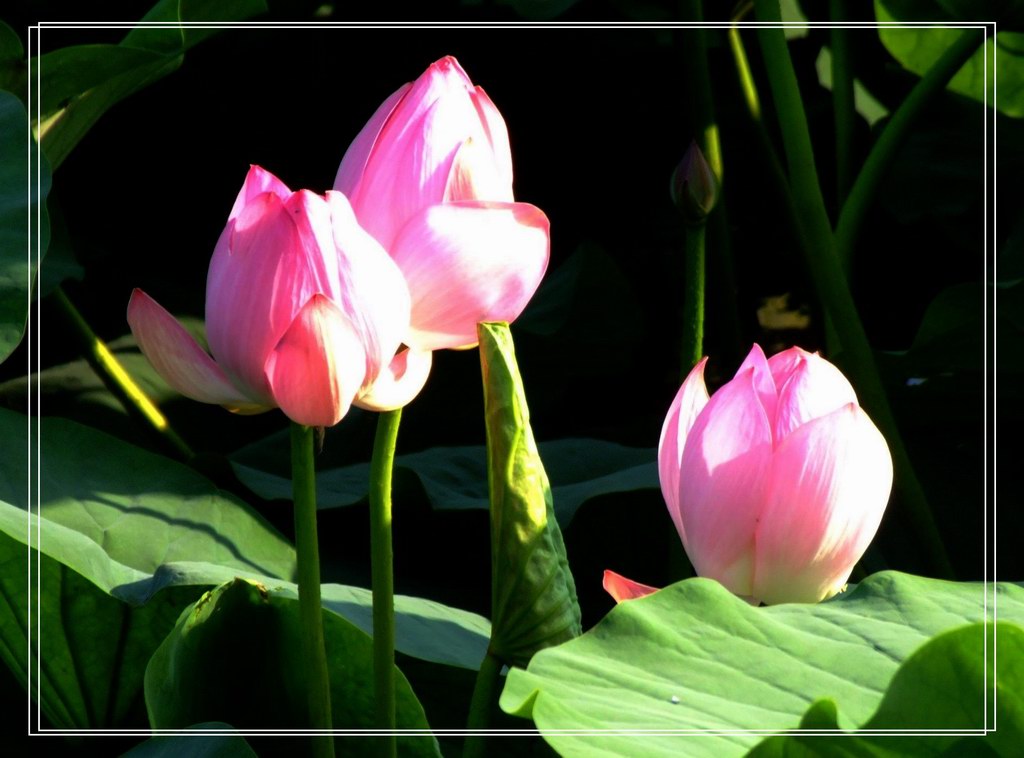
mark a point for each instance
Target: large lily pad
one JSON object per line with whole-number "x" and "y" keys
{"x": 999, "y": 63}
{"x": 237, "y": 655}
{"x": 694, "y": 657}
{"x": 89, "y": 650}
{"x": 18, "y": 202}
{"x": 117, "y": 513}
{"x": 942, "y": 685}
{"x": 135, "y": 524}
{"x": 113, "y": 519}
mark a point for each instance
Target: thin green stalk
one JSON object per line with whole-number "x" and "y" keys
{"x": 693, "y": 298}
{"x": 842, "y": 101}
{"x": 116, "y": 378}
{"x": 318, "y": 691}
{"x": 780, "y": 185}
{"x": 485, "y": 691}
{"x": 864, "y": 189}
{"x": 381, "y": 466}
{"x": 695, "y": 70}
{"x": 830, "y": 281}
{"x": 698, "y": 77}
{"x": 766, "y": 150}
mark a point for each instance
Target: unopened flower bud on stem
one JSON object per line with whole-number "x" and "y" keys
{"x": 694, "y": 186}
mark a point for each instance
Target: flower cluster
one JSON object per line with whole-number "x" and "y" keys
{"x": 318, "y": 302}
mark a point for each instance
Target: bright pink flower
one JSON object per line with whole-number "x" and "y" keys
{"x": 430, "y": 177}
{"x": 778, "y": 482}
{"x": 304, "y": 311}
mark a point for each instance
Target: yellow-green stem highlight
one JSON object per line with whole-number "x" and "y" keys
{"x": 381, "y": 466}
{"x": 116, "y": 378}
{"x": 739, "y": 55}
{"x": 307, "y": 550}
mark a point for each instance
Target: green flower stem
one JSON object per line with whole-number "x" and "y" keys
{"x": 862, "y": 194}
{"x": 780, "y": 185}
{"x": 766, "y": 150}
{"x": 116, "y": 378}
{"x": 842, "y": 101}
{"x": 310, "y": 611}
{"x": 833, "y": 290}
{"x": 695, "y": 71}
{"x": 488, "y": 680}
{"x": 693, "y": 298}
{"x": 381, "y": 467}
{"x": 697, "y": 75}
{"x": 767, "y": 153}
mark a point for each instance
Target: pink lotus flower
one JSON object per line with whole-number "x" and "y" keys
{"x": 430, "y": 177}
{"x": 304, "y": 311}
{"x": 777, "y": 483}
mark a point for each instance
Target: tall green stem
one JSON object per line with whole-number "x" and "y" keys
{"x": 767, "y": 153}
{"x": 842, "y": 101}
{"x": 116, "y": 378}
{"x": 383, "y": 578}
{"x": 484, "y": 692}
{"x": 310, "y": 612}
{"x": 698, "y": 77}
{"x": 829, "y": 279}
{"x": 862, "y": 193}
{"x": 695, "y": 71}
{"x": 766, "y": 150}
{"x": 780, "y": 185}
{"x": 693, "y": 298}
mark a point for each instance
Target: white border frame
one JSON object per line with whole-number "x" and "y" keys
{"x": 34, "y": 487}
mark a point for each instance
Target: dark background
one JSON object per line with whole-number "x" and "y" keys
{"x": 598, "y": 119}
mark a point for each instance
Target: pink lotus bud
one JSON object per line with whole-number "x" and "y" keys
{"x": 694, "y": 187}
{"x": 430, "y": 177}
{"x": 778, "y": 482}
{"x": 304, "y": 311}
